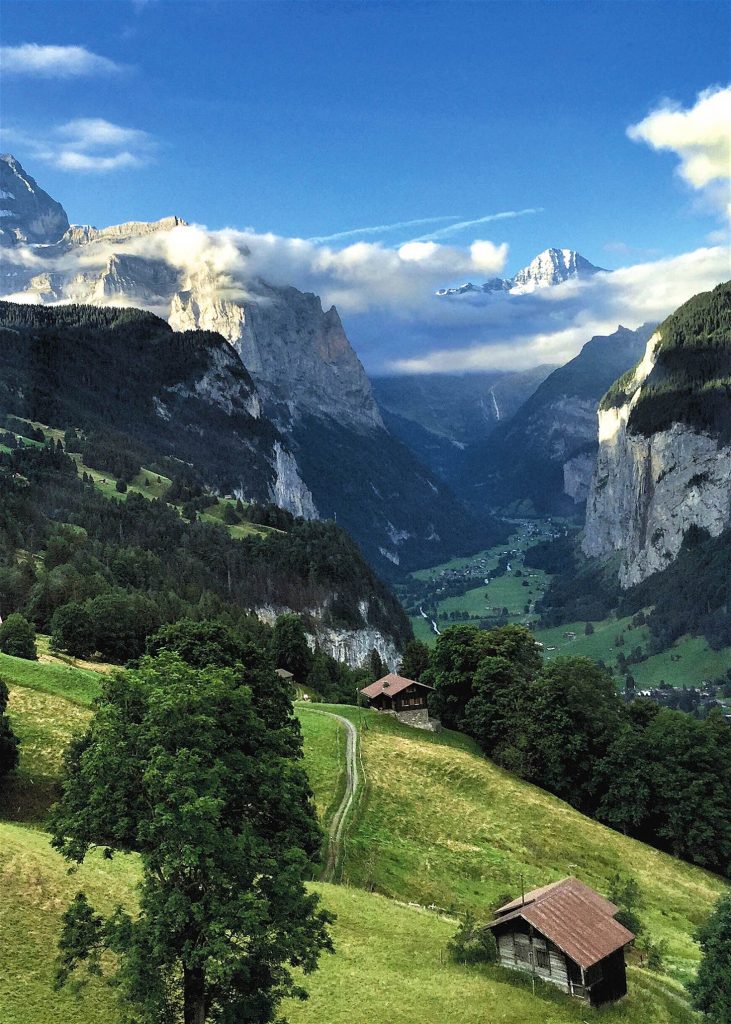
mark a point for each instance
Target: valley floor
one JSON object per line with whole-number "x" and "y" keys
{"x": 689, "y": 662}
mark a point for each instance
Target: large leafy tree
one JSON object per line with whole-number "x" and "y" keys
{"x": 456, "y": 657}
{"x": 181, "y": 765}
{"x": 18, "y": 637}
{"x": 290, "y": 648}
{"x": 711, "y": 988}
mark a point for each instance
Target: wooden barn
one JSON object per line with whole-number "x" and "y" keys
{"x": 397, "y": 693}
{"x": 566, "y": 934}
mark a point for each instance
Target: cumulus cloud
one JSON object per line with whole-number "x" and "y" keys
{"x": 55, "y": 61}
{"x": 387, "y": 296}
{"x": 89, "y": 145}
{"x": 699, "y": 135}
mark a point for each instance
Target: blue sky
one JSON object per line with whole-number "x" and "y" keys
{"x": 314, "y": 119}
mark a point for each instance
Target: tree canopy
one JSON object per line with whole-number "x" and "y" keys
{"x": 198, "y": 770}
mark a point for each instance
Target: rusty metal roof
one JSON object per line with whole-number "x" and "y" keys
{"x": 391, "y": 684}
{"x": 574, "y": 917}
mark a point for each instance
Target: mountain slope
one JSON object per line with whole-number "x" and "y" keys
{"x": 185, "y": 395}
{"x": 311, "y": 384}
{"x": 438, "y": 414}
{"x": 447, "y": 826}
{"x": 664, "y": 462}
{"x": 545, "y": 452}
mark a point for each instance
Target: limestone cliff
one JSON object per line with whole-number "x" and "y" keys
{"x": 664, "y": 461}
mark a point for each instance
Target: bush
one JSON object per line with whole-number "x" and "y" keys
{"x": 472, "y": 943}
{"x": 18, "y": 637}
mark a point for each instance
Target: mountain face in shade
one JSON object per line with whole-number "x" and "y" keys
{"x": 545, "y": 454}
{"x": 310, "y": 384}
{"x": 437, "y": 415}
{"x": 27, "y": 213}
{"x": 549, "y": 268}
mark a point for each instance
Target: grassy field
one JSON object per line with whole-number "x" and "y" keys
{"x": 324, "y": 754}
{"x": 215, "y": 514}
{"x": 80, "y": 686}
{"x": 688, "y": 663}
{"x": 449, "y": 828}
{"x": 389, "y": 966}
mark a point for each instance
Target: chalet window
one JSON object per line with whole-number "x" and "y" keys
{"x": 543, "y": 960}
{"x": 522, "y": 949}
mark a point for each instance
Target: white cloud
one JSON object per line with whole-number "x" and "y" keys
{"x": 88, "y": 145}
{"x": 55, "y": 61}
{"x": 700, "y": 136}
{"x": 550, "y": 325}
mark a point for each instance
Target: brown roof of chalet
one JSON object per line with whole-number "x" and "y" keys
{"x": 574, "y": 917}
{"x": 391, "y": 684}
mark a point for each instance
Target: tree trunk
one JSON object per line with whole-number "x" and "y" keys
{"x": 194, "y": 995}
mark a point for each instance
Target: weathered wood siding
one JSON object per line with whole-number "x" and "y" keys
{"x": 520, "y": 952}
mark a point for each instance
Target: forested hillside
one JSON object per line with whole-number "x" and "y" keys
{"x": 134, "y": 564}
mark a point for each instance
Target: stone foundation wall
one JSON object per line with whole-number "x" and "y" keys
{"x": 418, "y": 719}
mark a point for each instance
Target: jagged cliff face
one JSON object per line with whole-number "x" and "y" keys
{"x": 336, "y": 454}
{"x": 352, "y": 646}
{"x": 27, "y": 213}
{"x": 297, "y": 353}
{"x": 545, "y": 453}
{"x": 650, "y": 486}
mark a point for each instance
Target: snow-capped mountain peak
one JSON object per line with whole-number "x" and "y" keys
{"x": 549, "y": 268}
{"x": 553, "y": 266}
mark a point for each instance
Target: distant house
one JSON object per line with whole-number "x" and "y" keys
{"x": 402, "y": 697}
{"x": 566, "y": 934}
{"x": 288, "y": 677}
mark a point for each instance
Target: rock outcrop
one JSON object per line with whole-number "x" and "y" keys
{"x": 653, "y": 483}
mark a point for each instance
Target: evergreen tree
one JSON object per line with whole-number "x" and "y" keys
{"x": 290, "y": 648}
{"x": 415, "y": 660}
{"x": 375, "y": 664}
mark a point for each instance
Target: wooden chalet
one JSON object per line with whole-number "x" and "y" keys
{"x": 397, "y": 693}
{"x": 566, "y": 934}
{"x": 288, "y": 677}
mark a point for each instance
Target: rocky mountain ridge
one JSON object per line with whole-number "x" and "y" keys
{"x": 311, "y": 385}
{"x": 27, "y": 213}
{"x": 664, "y": 462}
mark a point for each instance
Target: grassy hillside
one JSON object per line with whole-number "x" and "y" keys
{"x": 442, "y": 825}
{"x": 438, "y": 824}
{"x": 389, "y": 967}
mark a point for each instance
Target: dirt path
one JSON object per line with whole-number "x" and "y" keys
{"x": 336, "y": 829}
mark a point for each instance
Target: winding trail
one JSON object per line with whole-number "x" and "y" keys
{"x": 336, "y": 829}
